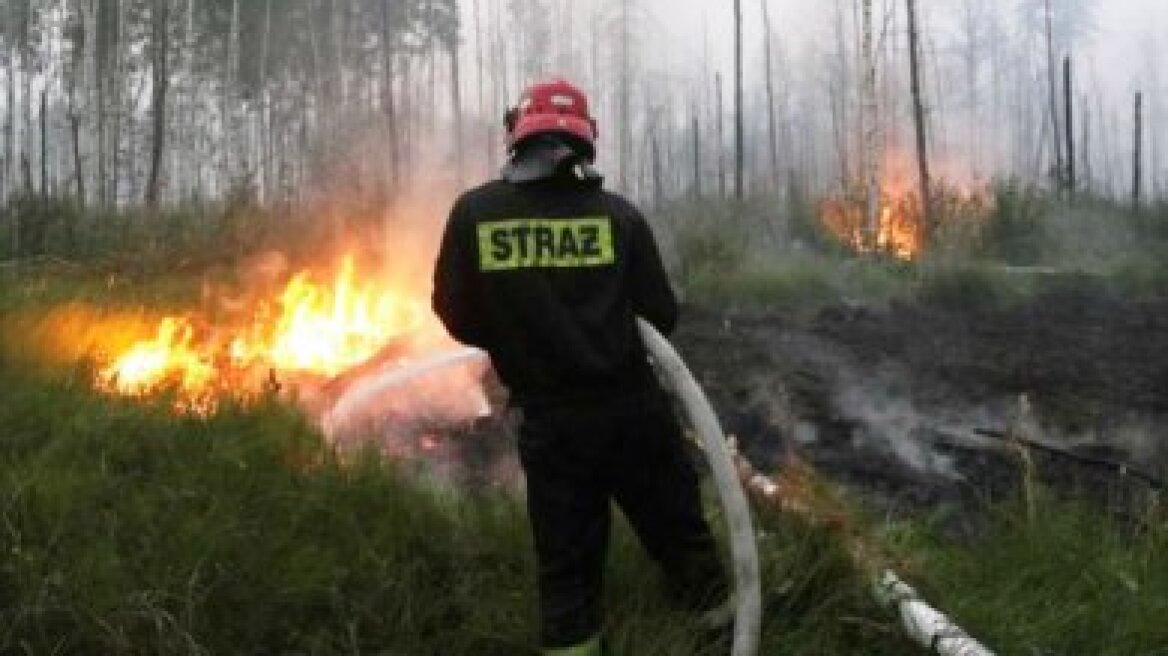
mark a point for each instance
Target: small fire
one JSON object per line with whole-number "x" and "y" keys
{"x": 899, "y": 229}
{"x": 310, "y": 328}
{"x": 170, "y": 355}
{"x": 327, "y": 331}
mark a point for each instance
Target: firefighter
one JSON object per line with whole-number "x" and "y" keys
{"x": 546, "y": 272}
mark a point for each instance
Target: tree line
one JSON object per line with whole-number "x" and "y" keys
{"x": 119, "y": 103}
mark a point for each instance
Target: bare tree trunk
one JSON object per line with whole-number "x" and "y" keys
{"x": 25, "y": 131}
{"x": 44, "y": 124}
{"x": 1069, "y": 105}
{"x": 8, "y": 175}
{"x": 118, "y": 85}
{"x": 265, "y": 109}
{"x": 187, "y": 171}
{"x": 739, "y": 128}
{"x": 1138, "y": 154}
{"x": 1085, "y": 138}
{"x": 1056, "y": 129}
{"x": 76, "y": 81}
{"x": 481, "y": 63}
{"x": 338, "y": 59}
{"x": 658, "y": 180}
{"x": 919, "y": 118}
{"x": 500, "y": 86}
{"x": 870, "y": 128}
{"x": 840, "y": 105}
{"x": 75, "y": 137}
{"x": 160, "y": 45}
{"x": 387, "y": 90}
{"x": 772, "y": 128}
{"x": 721, "y": 134}
{"x": 456, "y": 109}
{"x": 231, "y": 66}
{"x": 625, "y": 114}
{"x": 697, "y": 156}
{"x": 100, "y": 76}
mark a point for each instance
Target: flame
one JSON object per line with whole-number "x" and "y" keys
{"x": 310, "y": 328}
{"x": 898, "y": 232}
{"x": 899, "y": 229}
{"x": 170, "y": 355}
{"x": 327, "y": 331}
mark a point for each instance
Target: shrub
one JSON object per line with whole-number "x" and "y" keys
{"x": 1016, "y": 232}
{"x": 964, "y": 287}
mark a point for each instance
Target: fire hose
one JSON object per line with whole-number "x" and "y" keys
{"x": 927, "y": 626}
{"x": 924, "y": 624}
{"x": 743, "y": 546}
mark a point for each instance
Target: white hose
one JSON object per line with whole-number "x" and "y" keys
{"x": 926, "y": 625}
{"x": 368, "y": 389}
{"x": 923, "y": 623}
{"x": 743, "y": 547}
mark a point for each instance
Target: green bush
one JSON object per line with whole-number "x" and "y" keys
{"x": 964, "y": 287}
{"x": 1016, "y": 232}
{"x": 192, "y": 236}
{"x": 709, "y": 248}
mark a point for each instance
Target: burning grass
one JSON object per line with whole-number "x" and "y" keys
{"x": 309, "y": 328}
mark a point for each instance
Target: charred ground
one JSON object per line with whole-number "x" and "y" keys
{"x": 912, "y": 404}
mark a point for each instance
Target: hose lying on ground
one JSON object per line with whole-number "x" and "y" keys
{"x": 743, "y": 546}
{"x": 927, "y": 626}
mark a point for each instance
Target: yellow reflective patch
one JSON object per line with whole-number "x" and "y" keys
{"x": 545, "y": 244}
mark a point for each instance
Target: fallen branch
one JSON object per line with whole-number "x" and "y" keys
{"x": 1121, "y": 468}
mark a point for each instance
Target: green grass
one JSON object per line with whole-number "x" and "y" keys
{"x": 1019, "y": 242}
{"x": 1060, "y": 577}
{"x": 129, "y": 530}
{"x": 126, "y": 529}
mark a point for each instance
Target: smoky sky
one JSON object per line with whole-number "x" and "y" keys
{"x": 684, "y": 37}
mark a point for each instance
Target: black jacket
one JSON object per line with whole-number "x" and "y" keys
{"x": 547, "y": 277}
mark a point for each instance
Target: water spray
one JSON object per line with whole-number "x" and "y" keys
{"x": 368, "y": 390}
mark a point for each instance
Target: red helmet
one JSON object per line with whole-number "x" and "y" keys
{"x": 551, "y": 107}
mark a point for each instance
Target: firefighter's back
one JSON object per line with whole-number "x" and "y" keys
{"x": 556, "y": 284}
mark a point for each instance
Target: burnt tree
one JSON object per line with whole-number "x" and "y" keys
{"x": 919, "y": 117}
{"x": 160, "y": 82}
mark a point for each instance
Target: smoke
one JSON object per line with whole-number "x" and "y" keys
{"x": 886, "y": 419}
{"x": 442, "y": 389}
{"x": 417, "y": 406}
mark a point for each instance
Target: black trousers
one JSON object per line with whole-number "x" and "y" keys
{"x": 577, "y": 457}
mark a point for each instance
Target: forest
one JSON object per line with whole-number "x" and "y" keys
{"x": 921, "y": 253}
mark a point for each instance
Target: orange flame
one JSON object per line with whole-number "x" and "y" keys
{"x": 311, "y": 328}
{"x": 170, "y": 355}
{"x": 899, "y": 231}
{"x": 327, "y": 331}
